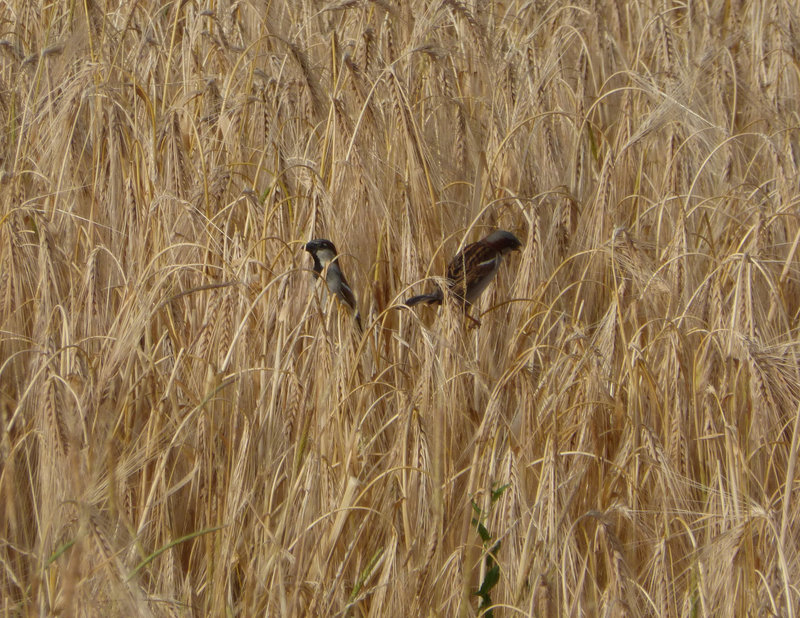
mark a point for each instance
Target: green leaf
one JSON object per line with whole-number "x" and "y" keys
{"x": 496, "y": 493}
{"x": 365, "y": 573}
{"x": 489, "y": 581}
{"x": 57, "y": 553}
{"x": 169, "y": 545}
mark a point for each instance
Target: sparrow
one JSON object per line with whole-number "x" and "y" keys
{"x": 326, "y": 260}
{"x": 472, "y": 269}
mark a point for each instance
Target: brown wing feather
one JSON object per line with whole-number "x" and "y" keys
{"x": 470, "y": 266}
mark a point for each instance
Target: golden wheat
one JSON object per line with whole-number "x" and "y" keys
{"x": 189, "y": 428}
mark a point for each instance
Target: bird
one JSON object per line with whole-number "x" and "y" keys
{"x": 326, "y": 260}
{"x": 472, "y": 269}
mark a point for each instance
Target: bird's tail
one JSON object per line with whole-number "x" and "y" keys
{"x": 429, "y": 299}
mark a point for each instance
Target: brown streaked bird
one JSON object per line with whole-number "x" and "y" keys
{"x": 326, "y": 259}
{"x": 472, "y": 269}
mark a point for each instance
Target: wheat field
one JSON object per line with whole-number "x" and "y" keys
{"x": 192, "y": 427}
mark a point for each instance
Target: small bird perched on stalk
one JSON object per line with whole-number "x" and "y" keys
{"x": 326, "y": 260}
{"x": 472, "y": 269}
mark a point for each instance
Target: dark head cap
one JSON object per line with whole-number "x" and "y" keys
{"x": 503, "y": 241}
{"x": 318, "y": 244}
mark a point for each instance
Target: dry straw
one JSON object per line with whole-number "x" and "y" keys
{"x": 188, "y": 428}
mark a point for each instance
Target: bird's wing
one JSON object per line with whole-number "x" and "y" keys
{"x": 347, "y": 294}
{"x": 473, "y": 263}
{"x": 338, "y": 282}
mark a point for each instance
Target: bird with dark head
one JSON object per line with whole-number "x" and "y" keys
{"x": 326, "y": 262}
{"x": 472, "y": 269}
